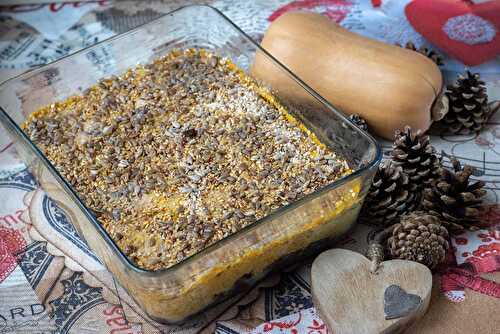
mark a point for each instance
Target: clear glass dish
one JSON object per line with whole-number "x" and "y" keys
{"x": 237, "y": 262}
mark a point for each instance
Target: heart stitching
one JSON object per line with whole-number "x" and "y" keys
{"x": 468, "y": 32}
{"x": 398, "y": 303}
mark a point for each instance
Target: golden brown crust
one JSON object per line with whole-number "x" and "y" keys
{"x": 178, "y": 154}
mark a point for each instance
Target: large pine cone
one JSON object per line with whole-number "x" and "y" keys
{"x": 415, "y": 154}
{"x": 469, "y": 110}
{"x": 419, "y": 237}
{"x": 431, "y": 54}
{"x": 390, "y": 195}
{"x": 454, "y": 198}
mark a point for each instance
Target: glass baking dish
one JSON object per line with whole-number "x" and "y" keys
{"x": 237, "y": 262}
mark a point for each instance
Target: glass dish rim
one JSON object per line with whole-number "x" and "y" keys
{"x": 88, "y": 212}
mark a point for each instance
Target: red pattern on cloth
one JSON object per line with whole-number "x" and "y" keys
{"x": 317, "y": 327}
{"x": 11, "y": 242}
{"x": 336, "y": 10}
{"x": 53, "y": 7}
{"x": 495, "y": 233}
{"x": 476, "y": 245}
{"x": 467, "y": 276}
{"x": 490, "y": 214}
{"x": 283, "y": 324}
{"x": 487, "y": 250}
{"x": 303, "y": 322}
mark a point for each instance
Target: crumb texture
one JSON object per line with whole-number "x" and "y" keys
{"x": 180, "y": 153}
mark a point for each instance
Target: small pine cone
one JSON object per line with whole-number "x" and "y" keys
{"x": 455, "y": 199}
{"x": 419, "y": 237}
{"x": 431, "y": 54}
{"x": 414, "y": 153}
{"x": 468, "y": 105}
{"x": 359, "y": 121}
{"x": 390, "y": 196}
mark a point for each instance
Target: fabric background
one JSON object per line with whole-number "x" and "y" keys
{"x": 50, "y": 281}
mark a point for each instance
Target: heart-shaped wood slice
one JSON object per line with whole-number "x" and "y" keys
{"x": 351, "y": 299}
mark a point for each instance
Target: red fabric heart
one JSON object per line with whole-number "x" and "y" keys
{"x": 479, "y": 24}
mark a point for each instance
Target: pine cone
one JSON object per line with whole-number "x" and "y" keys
{"x": 454, "y": 199}
{"x": 414, "y": 153}
{"x": 359, "y": 121}
{"x": 469, "y": 110}
{"x": 390, "y": 195}
{"x": 431, "y": 54}
{"x": 419, "y": 237}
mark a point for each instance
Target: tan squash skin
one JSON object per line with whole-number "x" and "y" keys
{"x": 387, "y": 85}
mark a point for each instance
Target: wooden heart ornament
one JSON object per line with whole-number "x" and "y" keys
{"x": 352, "y": 299}
{"x": 469, "y": 32}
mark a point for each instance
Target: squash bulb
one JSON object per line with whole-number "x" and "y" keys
{"x": 389, "y": 86}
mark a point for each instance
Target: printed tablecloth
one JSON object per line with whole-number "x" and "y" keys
{"x": 51, "y": 282}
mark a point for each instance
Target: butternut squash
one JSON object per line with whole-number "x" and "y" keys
{"x": 387, "y": 85}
